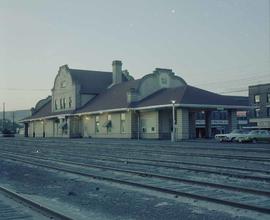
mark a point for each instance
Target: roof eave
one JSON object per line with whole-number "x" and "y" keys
{"x": 103, "y": 111}
{"x": 216, "y": 106}
{"x": 195, "y": 106}
{"x": 45, "y": 117}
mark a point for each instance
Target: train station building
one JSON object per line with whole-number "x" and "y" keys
{"x": 95, "y": 104}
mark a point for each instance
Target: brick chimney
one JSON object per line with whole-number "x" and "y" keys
{"x": 117, "y": 71}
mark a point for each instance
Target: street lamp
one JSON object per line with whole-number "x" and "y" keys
{"x": 173, "y": 114}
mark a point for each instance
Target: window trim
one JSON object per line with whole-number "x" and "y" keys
{"x": 70, "y": 102}
{"x": 122, "y": 122}
{"x": 268, "y": 111}
{"x": 97, "y": 124}
{"x": 257, "y": 112}
{"x": 55, "y": 104}
{"x": 64, "y": 103}
{"x": 259, "y": 98}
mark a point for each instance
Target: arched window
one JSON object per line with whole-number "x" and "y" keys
{"x": 70, "y": 102}
{"x": 55, "y": 104}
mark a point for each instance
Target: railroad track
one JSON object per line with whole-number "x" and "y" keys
{"x": 249, "y": 199}
{"x": 199, "y": 167}
{"x": 114, "y": 155}
{"x": 153, "y": 147}
{"x": 179, "y": 154}
{"x": 139, "y": 162}
{"x": 35, "y": 206}
{"x": 149, "y": 174}
{"x": 161, "y": 162}
{"x": 153, "y": 143}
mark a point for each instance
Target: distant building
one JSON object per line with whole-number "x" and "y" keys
{"x": 259, "y": 100}
{"x": 219, "y": 122}
{"x": 98, "y": 104}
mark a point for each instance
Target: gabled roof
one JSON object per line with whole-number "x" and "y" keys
{"x": 115, "y": 97}
{"x": 112, "y": 98}
{"x": 189, "y": 95}
{"x": 91, "y": 82}
{"x": 194, "y": 95}
{"x": 46, "y": 111}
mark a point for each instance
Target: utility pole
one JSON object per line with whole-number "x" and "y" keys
{"x": 13, "y": 124}
{"x": 4, "y": 117}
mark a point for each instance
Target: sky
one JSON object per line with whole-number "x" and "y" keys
{"x": 218, "y": 45}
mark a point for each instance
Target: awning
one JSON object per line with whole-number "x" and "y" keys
{"x": 63, "y": 125}
{"x": 107, "y": 124}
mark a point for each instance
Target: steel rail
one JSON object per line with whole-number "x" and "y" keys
{"x": 148, "y": 174}
{"x": 152, "y": 143}
{"x": 34, "y": 205}
{"x": 176, "y": 153}
{"x": 132, "y": 161}
{"x": 150, "y": 187}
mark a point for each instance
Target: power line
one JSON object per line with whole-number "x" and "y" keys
{"x": 239, "y": 66}
{"x": 23, "y": 89}
{"x": 235, "y": 80}
{"x": 234, "y": 91}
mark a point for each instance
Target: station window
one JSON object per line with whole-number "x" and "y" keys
{"x": 200, "y": 115}
{"x": 97, "y": 124}
{"x": 63, "y": 84}
{"x": 109, "y": 123}
{"x": 268, "y": 97}
{"x": 70, "y": 102}
{"x": 64, "y": 103}
{"x": 123, "y": 122}
{"x": 257, "y": 112}
{"x": 55, "y": 104}
{"x": 61, "y": 103}
{"x": 268, "y": 111}
{"x": 257, "y": 98}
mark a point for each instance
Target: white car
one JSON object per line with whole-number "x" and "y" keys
{"x": 230, "y": 136}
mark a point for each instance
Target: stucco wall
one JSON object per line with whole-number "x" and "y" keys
{"x": 160, "y": 78}
{"x": 49, "y": 128}
{"x": 149, "y": 124}
{"x": 75, "y": 126}
{"x": 63, "y": 88}
{"x": 88, "y": 126}
{"x": 30, "y": 129}
{"x": 182, "y": 124}
{"x": 165, "y": 123}
{"x": 38, "y": 128}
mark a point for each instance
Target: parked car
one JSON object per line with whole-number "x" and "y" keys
{"x": 8, "y": 133}
{"x": 230, "y": 136}
{"x": 254, "y": 136}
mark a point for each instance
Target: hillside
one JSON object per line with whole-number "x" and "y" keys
{"x": 18, "y": 115}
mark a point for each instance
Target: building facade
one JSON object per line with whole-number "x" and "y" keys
{"x": 94, "y": 104}
{"x": 259, "y": 100}
{"x": 219, "y": 122}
